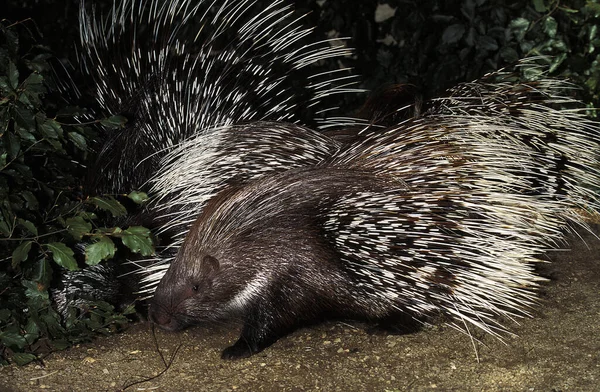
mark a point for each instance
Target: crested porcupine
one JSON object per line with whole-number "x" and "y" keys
{"x": 442, "y": 214}
{"x": 201, "y": 166}
{"x": 182, "y": 68}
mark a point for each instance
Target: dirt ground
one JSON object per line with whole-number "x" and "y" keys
{"x": 558, "y": 350}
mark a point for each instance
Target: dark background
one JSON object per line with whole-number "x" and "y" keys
{"x": 432, "y": 44}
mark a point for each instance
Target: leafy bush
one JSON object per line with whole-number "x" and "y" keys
{"x": 435, "y": 44}
{"x": 43, "y": 212}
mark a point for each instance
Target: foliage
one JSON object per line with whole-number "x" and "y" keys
{"x": 435, "y": 44}
{"x": 43, "y": 213}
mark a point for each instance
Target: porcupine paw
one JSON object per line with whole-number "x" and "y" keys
{"x": 241, "y": 349}
{"x": 249, "y": 343}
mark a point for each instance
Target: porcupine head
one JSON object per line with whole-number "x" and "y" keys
{"x": 258, "y": 255}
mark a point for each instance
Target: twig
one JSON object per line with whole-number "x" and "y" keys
{"x": 165, "y": 362}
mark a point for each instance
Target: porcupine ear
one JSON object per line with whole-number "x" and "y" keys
{"x": 210, "y": 266}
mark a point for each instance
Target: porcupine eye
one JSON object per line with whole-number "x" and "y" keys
{"x": 193, "y": 288}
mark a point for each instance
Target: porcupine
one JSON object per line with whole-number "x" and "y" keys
{"x": 442, "y": 214}
{"x": 182, "y": 71}
{"x": 188, "y": 178}
{"x": 183, "y": 68}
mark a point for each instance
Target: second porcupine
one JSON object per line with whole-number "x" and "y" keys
{"x": 439, "y": 215}
{"x": 183, "y": 68}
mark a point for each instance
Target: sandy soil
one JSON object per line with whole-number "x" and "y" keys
{"x": 558, "y": 350}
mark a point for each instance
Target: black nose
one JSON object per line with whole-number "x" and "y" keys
{"x": 158, "y": 316}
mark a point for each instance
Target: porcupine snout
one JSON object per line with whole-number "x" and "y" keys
{"x": 163, "y": 316}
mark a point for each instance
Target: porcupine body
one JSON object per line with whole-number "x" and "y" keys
{"x": 182, "y": 68}
{"x": 443, "y": 214}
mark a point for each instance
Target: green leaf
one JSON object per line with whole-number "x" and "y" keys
{"x": 509, "y": 54}
{"x": 20, "y": 253}
{"x": 550, "y": 26}
{"x": 592, "y": 7}
{"x": 30, "y": 200}
{"x": 531, "y": 73}
{"x": 33, "y": 89}
{"x": 32, "y": 331}
{"x": 109, "y": 204}
{"x": 453, "y": 33}
{"x": 114, "y": 231}
{"x": 51, "y": 320}
{"x": 87, "y": 215}
{"x": 34, "y": 83}
{"x": 12, "y": 339}
{"x": 55, "y": 125}
{"x": 487, "y": 43}
{"x": 14, "y": 145}
{"x": 138, "y": 239}
{"x": 519, "y": 28}
{"x": 557, "y": 61}
{"x": 42, "y": 273}
{"x": 24, "y": 118}
{"x": 23, "y": 358}
{"x": 4, "y": 228}
{"x": 98, "y": 251}
{"x": 78, "y": 227}
{"x": 78, "y": 140}
{"x": 539, "y": 6}
{"x": 130, "y": 309}
{"x": 26, "y": 135}
{"x": 13, "y": 75}
{"x": 5, "y": 89}
{"x": 49, "y": 128}
{"x": 114, "y": 122}
{"x": 62, "y": 255}
{"x": 20, "y": 172}
{"x": 138, "y": 197}
{"x": 28, "y": 225}
{"x": 24, "y": 98}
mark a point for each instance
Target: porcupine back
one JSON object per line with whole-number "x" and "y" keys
{"x": 440, "y": 214}
{"x": 182, "y": 68}
{"x": 542, "y": 135}
{"x": 542, "y": 119}
{"x": 508, "y": 173}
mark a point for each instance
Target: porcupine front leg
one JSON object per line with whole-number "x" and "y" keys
{"x": 273, "y": 318}
{"x": 257, "y": 334}
{"x": 278, "y": 311}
